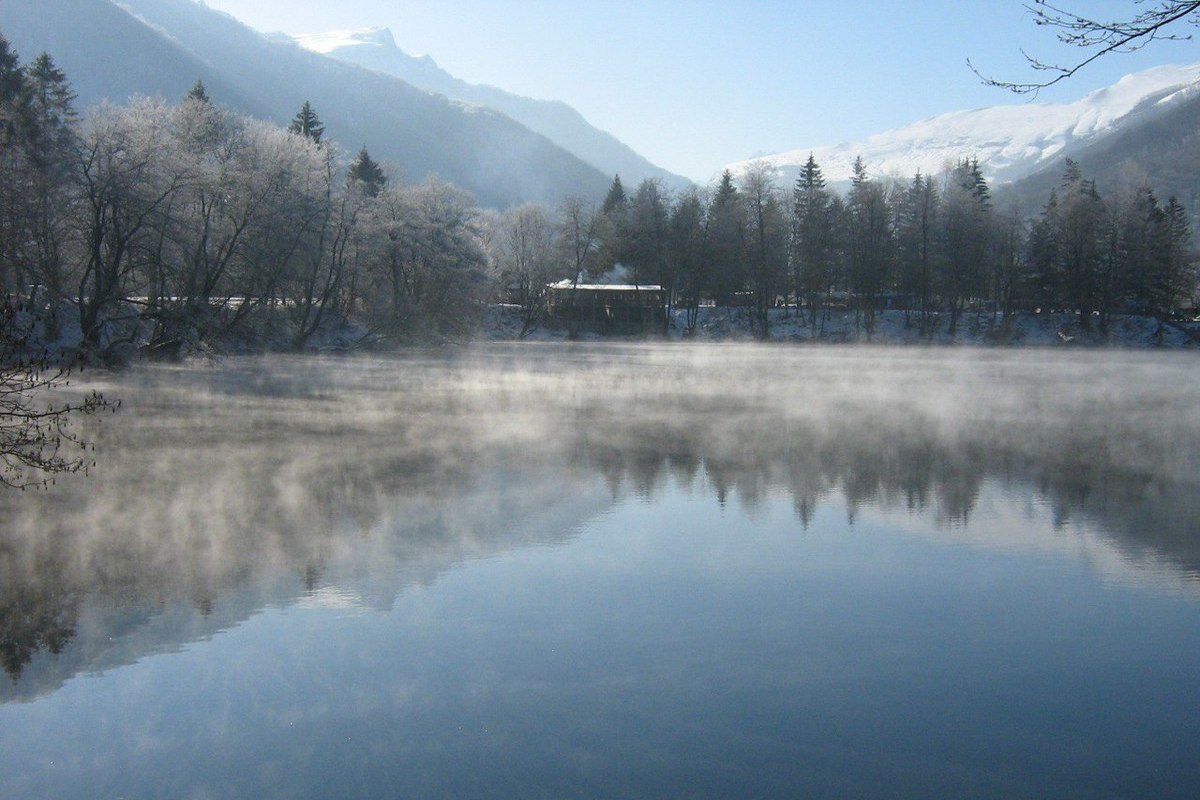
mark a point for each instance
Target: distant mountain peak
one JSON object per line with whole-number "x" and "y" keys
{"x": 1010, "y": 141}
{"x": 376, "y": 49}
{"x": 328, "y": 41}
{"x": 115, "y": 49}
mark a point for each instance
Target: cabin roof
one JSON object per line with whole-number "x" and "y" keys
{"x": 605, "y": 287}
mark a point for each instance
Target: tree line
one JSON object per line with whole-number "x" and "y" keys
{"x": 183, "y": 223}
{"x": 934, "y": 246}
{"x": 180, "y": 224}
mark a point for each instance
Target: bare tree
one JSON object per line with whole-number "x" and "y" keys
{"x": 37, "y": 440}
{"x": 1159, "y": 21}
{"x": 766, "y": 239}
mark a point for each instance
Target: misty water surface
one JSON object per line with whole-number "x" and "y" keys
{"x": 617, "y": 571}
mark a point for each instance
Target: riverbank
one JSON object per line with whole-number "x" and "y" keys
{"x": 33, "y": 336}
{"x": 503, "y": 323}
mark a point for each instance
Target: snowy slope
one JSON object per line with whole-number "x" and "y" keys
{"x": 1009, "y": 141}
{"x": 375, "y": 48}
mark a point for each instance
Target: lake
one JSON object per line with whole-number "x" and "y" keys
{"x": 616, "y": 570}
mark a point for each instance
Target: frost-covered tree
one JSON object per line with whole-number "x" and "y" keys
{"x": 578, "y": 224}
{"x": 434, "y": 261}
{"x": 527, "y": 259}
{"x": 130, "y": 177}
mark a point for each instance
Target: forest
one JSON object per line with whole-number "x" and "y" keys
{"x": 169, "y": 227}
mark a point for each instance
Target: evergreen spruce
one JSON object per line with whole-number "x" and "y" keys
{"x": 198, "y": 92}
{"x": 306, "y": 123}
{"x": 869, "y": 243}
{"x": 916, "y": 219}
{"x": 616, "y": 197}
{"x": 726, "y": 242}
{"x": 367, "y": 172}
{"x": 813, "y": 241}
{"x": 14, "y": 94}
{"x": 51, "y": 113}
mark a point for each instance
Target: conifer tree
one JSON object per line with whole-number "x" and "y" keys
{"x": 198, "y": 92}
{"x": 12, "y": 81}
{"x": 916, "y": 234}
{"x": 1042, "y": 248}
{"x": 648, "y": 239}
{"x": 306, "y": 123}
{"x": 813, "y": 241}
{"x": 869, "y": 242}
{"x": 965, "y": 231}
{"x": 726, "y": 241}
{"x": 367, "y": 172}
{"x": 1179, "y": 281}
{"x": 52, "y": 114}
{"x": 616, "y": 197}
{"x": 1081, "y": 243}
{"x": 1010, "y": 268}
{"x": 14, "y": 117}
{"x": 613, "y": 228}
{"x": 50, "y": 139}
{"x": 688, "y": 253}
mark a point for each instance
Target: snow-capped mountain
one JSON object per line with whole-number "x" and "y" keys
{"x": 375, "y": 48}
{"x": 1009, "y": 141}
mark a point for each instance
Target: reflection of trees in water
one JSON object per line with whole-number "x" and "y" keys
{"x": 909, "y": 462}
{"x": 238, "y": 488}
{"x": 35, "y": 615}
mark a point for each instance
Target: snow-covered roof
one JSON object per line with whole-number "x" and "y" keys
{"x": 605, "y": 287}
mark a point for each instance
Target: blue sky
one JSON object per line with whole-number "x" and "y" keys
{"x": 695, "y": 85}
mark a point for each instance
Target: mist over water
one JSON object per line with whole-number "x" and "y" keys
{"x": 400, "y": 488}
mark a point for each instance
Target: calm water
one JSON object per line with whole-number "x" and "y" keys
{"x": 617, "y": 571}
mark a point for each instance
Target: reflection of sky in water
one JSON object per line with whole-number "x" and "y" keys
{"x": 538, "y": 592}
{"x": 665, "y": 649}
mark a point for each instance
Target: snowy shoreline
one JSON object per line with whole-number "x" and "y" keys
{"x": 503, "y": 323}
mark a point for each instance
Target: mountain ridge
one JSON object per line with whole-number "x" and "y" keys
{"x": 376, "y": 48}
{"x": 1009, "y": 141}
{"x": 160, "y": 47}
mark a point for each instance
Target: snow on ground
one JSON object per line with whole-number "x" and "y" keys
{"x": 503, "y": 323}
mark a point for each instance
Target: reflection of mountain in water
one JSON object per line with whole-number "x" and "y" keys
{"x": 224, "y": 491}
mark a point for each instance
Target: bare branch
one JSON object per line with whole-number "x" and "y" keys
{"x": 37, "y": 437}
{"x": 1076, "y": 30}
